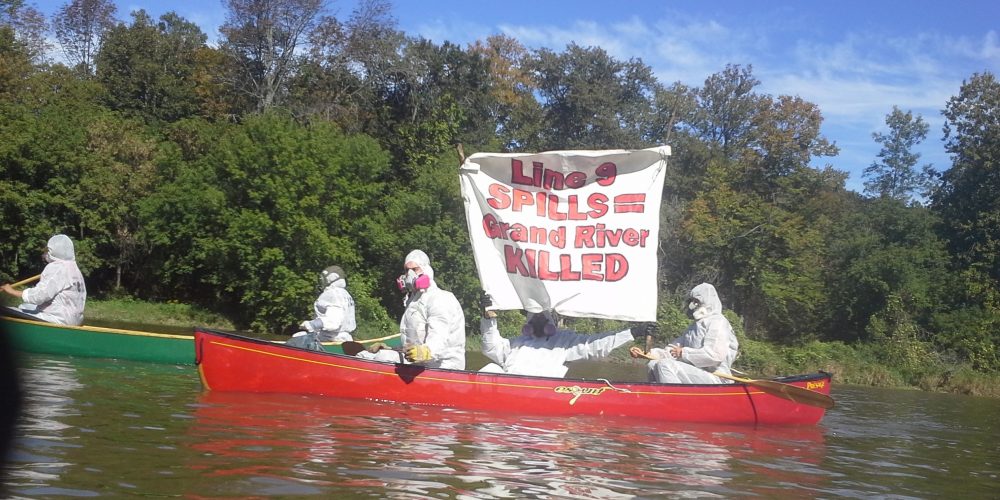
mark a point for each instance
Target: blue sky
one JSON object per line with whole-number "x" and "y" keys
{"x": 854, "y": 59}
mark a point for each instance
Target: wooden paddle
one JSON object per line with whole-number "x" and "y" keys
{"x": 352, "y": 348}
{"x": 779, "y": 389}
{"x": 785, "y": 391}
{"x": 25, "y": 281}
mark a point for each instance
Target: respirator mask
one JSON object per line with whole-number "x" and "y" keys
{"x": 534, "y": 324}
{"x": 692, "y": 306}
{"x": 412, "y": 282}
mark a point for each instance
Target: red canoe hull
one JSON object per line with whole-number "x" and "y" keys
{"x": 229, "y": 363}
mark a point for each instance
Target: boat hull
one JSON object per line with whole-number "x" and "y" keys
{"x": 31, "y": 335}
{"x": 229, "y": 362}
{"x": 97, "y": 342}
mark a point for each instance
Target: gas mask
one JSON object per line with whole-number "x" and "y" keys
{"x": 692, "y": 306}
{"x": 538, "y": 326}
{"x": 412, "y": 282}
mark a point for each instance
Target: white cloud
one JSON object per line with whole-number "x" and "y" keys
{"x": 990, "y": 50}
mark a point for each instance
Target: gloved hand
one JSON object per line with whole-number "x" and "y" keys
{"x": 486, "y": 303}
{"x": 378, "y": 346}
{"x": 418, "y": 354}
{"x": 645, "y": 329}
{"x": 311, "y": 326}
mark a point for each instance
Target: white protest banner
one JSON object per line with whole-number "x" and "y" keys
{"x": 571, "y": 231}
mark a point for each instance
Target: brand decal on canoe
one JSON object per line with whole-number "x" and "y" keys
{"x": 815, "y": 385}
{"x": 578, "y": 391}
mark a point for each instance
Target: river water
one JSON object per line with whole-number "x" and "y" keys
{"x": 118, "y": 429}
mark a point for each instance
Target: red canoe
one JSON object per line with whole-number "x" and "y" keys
{"x": 229, "y": 362}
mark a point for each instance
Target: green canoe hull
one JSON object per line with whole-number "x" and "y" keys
{"x": 39, "y": 337}
{"x": 97, "y": 342}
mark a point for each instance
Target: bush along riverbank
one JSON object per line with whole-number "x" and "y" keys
{"x": 886, "y": 362}
{"x": 877, "y": 364}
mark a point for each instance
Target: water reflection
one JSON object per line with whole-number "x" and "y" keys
{"x": 283, "y": 444}
{"x": 91, "y": 426}
{"x": 109, "y": 428}
{"x": 38, "y": 459}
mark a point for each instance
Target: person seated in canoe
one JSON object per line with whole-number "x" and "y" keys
{"x": 543, "y": 349}
{"x": 433, "y": 324}
{"x": 334, "y": 319}
{"x": 706, "y": 347}
{"x": 61, "y": 294}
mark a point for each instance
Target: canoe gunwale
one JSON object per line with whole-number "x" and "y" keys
{"x": 819, "y": 375}
{"x": 9, "y": 314}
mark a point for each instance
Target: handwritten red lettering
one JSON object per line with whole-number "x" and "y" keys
{"x": 606, "y": 174}
{"x": 554, "y": 180}
{"x": 597, "y": 236}
{"x": 545, "y": 266}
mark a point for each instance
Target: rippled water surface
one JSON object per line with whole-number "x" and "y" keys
{"x": 111, "y": 428}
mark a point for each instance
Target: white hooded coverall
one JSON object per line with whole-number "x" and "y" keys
{"x": 546, "y": 356}
{"x": 709, "y": 345}
{"x": 433, "y": 317}
{"x": 335, "y": 309}
{"x": 60, "y": 295}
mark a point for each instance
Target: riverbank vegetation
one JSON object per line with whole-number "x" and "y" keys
{"x": 227, "y": 176}
{"x": 870, "y": 364}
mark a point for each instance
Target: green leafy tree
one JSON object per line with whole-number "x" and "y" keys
{"x": 513, "y": 107}
{"x": 148, "y": 68}
{"x": 347, "y": 62}
{"x": 118, "y": 174}
{"x": 727, "y": 106}
{"x": 15, "y": 63}
{"x": 592, "y": 101}
{"x": 967, "y": 204}
{"x": 967, "y": 199}
{"x": 756, "y": 225}
{"x": 179, "y": 220}
{"x": 894, "y": 174}
{"x": 277, "y": 202}
{"x": 882, "y": 250}
{"x": 433, "y": 101}
{"x": 768, "y": 259}
{"x": 43, "y": 150}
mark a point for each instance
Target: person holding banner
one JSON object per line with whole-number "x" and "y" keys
{"x": 708, "y": 346}
{"x": 60, "y": 295}
{"x": 433, "y": 324}
{"x": 542, "y": 349}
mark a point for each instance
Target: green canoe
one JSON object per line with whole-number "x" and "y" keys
{"x": 31, "y": 335}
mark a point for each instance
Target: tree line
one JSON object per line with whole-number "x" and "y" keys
{"x": 227, "y": 176}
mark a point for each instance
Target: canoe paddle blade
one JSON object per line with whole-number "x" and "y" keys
{"x": 352, "y": 348}
{"x": 786, "y": 391}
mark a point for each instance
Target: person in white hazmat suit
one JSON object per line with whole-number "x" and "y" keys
{"x": 707, "y": 346}
{"x": 543, "y": 349}
{"x": 61, "y": 294}
{"x": 334, "y": 308}
{"x": 433, "y": 324}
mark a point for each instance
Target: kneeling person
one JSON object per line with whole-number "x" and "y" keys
{"x": 334, "y": 310}
{"x": 707, "y": 346}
